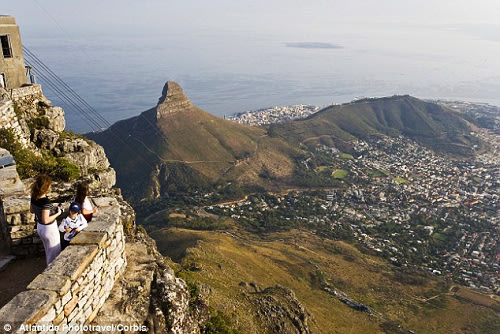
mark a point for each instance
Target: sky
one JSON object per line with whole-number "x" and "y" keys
{"x": 300, "y": 16}
{"x": 426, "y": 48}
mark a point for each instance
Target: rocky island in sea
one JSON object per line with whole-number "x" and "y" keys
{"x": 313, "y": 45}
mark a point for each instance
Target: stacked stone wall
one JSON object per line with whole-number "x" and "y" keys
{"x": 17, "y": 233}
{"x": 69, "y": 293}
{"x": 67, "y": 296}
{"x": 17, "y": 94}
{"x": 18, "y": 222}
{"x": 9, "y": 120}
{"x": 34, "y": 104}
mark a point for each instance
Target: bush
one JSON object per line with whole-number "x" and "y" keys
{"x": 8, "y": 141}
{"x": 65, "y": 170}
{"x": 28, "y": 164}
{"x": 218, "y": 324}
{"x": 38, "y": 123}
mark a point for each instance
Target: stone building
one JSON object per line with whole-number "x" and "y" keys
{"x": 12, "y": 67}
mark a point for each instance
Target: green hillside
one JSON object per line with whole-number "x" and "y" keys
{"x": 427, "y": 123}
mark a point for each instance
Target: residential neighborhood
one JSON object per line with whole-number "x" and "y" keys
{"x": 402, "y": 201}
{"x": 275, "y": 114}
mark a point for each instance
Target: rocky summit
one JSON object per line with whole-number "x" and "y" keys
{"x": 172, "y": 100}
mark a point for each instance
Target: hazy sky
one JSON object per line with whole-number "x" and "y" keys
{"x": 275, "y": 16}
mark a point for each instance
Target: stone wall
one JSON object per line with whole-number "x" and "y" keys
{"x": 21, "y": 96}
{"x": 34, "y": 104}
{"x": 9, "y": 120}
{"x": 23, "y": 92}
{"x": 71, "y": 291}
{"x": 17, "y": 233}
{"x": 73, "y": 288}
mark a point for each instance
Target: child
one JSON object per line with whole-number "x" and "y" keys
{"x": 74, "y": 223}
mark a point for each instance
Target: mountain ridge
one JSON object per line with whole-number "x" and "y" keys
{"x": 429, "y": 124}
{"x": 180, "y": 146}
{"x": 192, "y": 144}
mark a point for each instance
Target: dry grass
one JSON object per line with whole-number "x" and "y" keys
{"x": 292, "y": 260}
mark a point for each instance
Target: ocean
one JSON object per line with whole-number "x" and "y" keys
{"x": 122, "y": 76}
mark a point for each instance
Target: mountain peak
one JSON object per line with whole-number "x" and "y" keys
{"x": 172, "y": 100}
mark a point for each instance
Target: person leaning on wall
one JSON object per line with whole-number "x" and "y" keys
{"x": 82, "y": 197}
{"x": 45, "y": 217}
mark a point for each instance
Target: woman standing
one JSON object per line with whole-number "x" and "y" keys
{"x": 82, "y": 197}
{"x": 45, "y": 217}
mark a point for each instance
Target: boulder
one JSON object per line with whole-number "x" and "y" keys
{"x": 45, "y": 138}
{"x": 56, "y": 118}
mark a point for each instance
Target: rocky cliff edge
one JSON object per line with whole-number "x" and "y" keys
{"x": 148, "y": 294}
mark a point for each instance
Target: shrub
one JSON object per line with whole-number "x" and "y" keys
{"x": 28, "y": 164}
{"x": 38, "y": 123}
{"x": 18, "y": 111}
{"x": 65, "y": 170}
{"x": 218, "y": 323}
{"x": 8, "y": 141}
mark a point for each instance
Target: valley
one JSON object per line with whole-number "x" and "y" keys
{"x": 428, "y": 222}
{"x": 239, "y": 271}
{"x": 397, "y": 199}
{"x": 382, "y": 212}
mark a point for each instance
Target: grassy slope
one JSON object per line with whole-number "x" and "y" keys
{"x": 431, "y": 125}
{"x": 288, "y": 259}
{"x": 209, "y": 148}
{"x": 230, "y": 150}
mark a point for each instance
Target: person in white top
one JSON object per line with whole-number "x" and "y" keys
{"x": 45, "y": 217}
{"x": 73, "y": 223}
{"x": 82, "y": 197}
